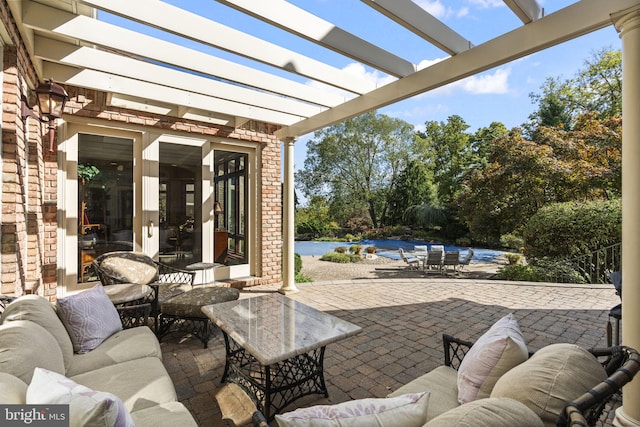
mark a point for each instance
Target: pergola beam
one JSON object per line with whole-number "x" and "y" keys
{"x": 573, "y": 21}
{"x": 527, "y": 10}
{"x": 422, "y": 23}
{"x": 297, "y": 21}
{"x": 186, "y": 24}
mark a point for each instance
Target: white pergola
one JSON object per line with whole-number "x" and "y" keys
{"x": 270, "y": 83}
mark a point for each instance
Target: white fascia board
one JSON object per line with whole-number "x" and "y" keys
{"x": 186, "y": 24}
{"x": 91, "y": 31}
{"x": 85, "y": 57}
{"x": 97, "y": 80}
{"x": 297, "y": 21}
{"x": 527, "y": 10}
{"x": 422, "y": 23}
{"x": 568, "y": 23}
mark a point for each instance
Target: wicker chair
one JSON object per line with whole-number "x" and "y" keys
{"x": 134, "y": 267}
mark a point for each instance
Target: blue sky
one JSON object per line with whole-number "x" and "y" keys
{"x": 500, "y": 94}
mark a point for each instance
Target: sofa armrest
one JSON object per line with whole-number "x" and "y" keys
{"x": 622, "y": 364}
{"x": 454, "y": 350}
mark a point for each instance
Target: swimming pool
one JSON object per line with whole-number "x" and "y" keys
{"x": 388, "y": 248}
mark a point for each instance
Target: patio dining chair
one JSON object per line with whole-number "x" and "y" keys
{"x": 411, "y": 261}
{"x": 451, "y": 260}
{"x": 433, "y": 261}
{"x": 467, "y": 259}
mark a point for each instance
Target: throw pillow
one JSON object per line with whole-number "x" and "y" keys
{"x": 554, "y": 375}
{"x": 407, "y": 410}
{"x": 492, "y": 411}
{"x": 90, "y": 318}
{"x": 87, "y": 408}
{"x": 499, "y": 349}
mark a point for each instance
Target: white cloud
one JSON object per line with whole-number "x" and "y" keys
{"x": 485, "y": 4}
{"x": 494, "y": 83}
{"x": 426, "y": 63}
{"x": 436, "y": 8}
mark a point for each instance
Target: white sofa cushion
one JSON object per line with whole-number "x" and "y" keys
{"x": 554, "y": 375}
{"x": 128, "y": 344}
{"x": 492, "y": 411}
{"x": 499, "y": 349}
{"x": 87, "y": 408}
{"x": 24, "y": 346}
{"x": 140, "y": 383}
{"x": 441, "y": 383}
{"x": 13, "y": 391}
{"x": 39, "y": 310}
{"x": 90, "y": 317}
{"x": 407, "y": 410}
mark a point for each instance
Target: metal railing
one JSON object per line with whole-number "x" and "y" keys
{"x": 598, "y": 265}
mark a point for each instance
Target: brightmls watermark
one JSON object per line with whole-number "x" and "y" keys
{"x": 34, "y": 415}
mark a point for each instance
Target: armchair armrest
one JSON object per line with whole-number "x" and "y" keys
{"x": 134, "y": 315}
{"x": 622, "y": 364}
{"x": 258, "y": 419}
{"x": 454, "y": 350}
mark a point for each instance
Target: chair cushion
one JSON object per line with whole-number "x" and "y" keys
{"x": 90, "y": 318}
{"x": 499, "y": 349}
{"x": 13, "y": 391}
{"x": 39, "y": 310}
{"x": 553, "y": 376}
{"x": 24, "y": 346}
{"x": 441, "y": 383}
{"x": 407, "y": 410}
{"x": 125, "y": 345}
{"x": 130, "y": 267}
{"x": 87, "y": 408}
{"x": 493, "y": 411}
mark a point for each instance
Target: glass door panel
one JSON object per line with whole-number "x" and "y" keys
{"x": 105, "y": 199}
{"x": 180, "y": 201}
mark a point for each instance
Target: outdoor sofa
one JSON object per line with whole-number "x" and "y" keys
{"x": 492, "y": 382}
{"x": 76, "y": 352}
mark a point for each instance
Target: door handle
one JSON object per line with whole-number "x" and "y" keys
{"x": 150, "y": 228}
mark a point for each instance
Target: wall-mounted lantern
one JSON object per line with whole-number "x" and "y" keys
{"x": 51, "y": 100}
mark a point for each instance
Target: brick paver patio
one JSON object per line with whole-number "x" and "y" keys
{"x": 402, "y": 321}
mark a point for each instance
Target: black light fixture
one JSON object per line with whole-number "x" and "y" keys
{"x": 51, "y": 100}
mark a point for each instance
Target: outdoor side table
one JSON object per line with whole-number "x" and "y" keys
{"x": 275, "y": 347}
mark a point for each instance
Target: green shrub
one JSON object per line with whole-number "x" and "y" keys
{"x": 297, "y": 263}
{"x": 340, "y": 249}
{"x": 567, "y": 230}
{"x": 370, "y": 249}
{"x": 340, "y": 257}
{"x": 355, "y": 249}
{"x": 545, "y": 270}
{"x": 512, "y": 241}
{"x": 303, "y": 278}
{"x": 349, "y": 237}
{"x": 463, "y": 241}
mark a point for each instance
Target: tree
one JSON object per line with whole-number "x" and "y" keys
{"x": 596, "y": 88}
{"x": 414, "y": 187}
{"x": 522, "y": 175}
{"x": 447, "y": 148}
{"x": 357, "y": 160}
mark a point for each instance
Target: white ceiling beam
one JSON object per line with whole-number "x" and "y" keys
{"x": 85, "y": 57}
{"x": 55, "y": 21}
{"x": 295, "y": 20}
{"x": 106, "y": 82}
{"x": 422, "y": 23}
{"x": 186, "y": 24}
{"x": 573, "y": 21}
{"x": 527, "y": 10}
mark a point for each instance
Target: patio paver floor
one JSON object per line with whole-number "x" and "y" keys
{"x": 403, "y": 321}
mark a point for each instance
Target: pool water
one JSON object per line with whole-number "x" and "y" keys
{"x": 388, "y": 248}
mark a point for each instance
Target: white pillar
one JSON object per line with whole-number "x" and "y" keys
{"x": 628, "y": 24}
{"x": 288, "y": 224}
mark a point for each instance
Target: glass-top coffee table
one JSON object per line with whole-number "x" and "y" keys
{"x": 275, "y": 347}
